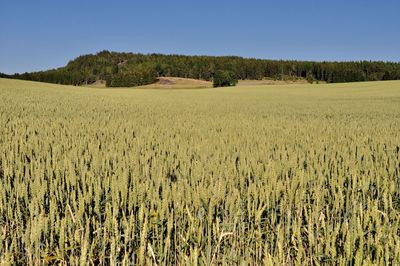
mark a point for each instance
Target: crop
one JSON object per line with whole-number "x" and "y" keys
{"x": 277, "y": 175}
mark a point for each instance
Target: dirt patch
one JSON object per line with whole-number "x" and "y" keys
{"x": 97, "y": 84}
{"x": 178, "y": 83}
{"x": 165, "y": 81}
{"x": 100, "y": 82}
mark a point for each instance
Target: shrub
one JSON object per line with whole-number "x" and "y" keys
{"x": 224, "y": 78}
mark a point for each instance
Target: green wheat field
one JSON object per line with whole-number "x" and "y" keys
{"x": 259, "y": 175}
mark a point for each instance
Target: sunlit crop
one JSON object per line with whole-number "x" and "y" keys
{"x": 275, "y": 175}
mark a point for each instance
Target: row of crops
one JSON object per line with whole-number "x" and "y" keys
{"x": 298, "y": 175}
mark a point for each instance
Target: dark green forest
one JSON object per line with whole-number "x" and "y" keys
{"x": 129, "y": 69}
{"x": 3, "y": 75}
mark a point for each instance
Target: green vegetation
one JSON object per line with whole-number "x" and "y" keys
{"x": 224, "y": 78}
{"x": 275, "y": 175}
{"x": 128, "y": 69}
{"x": 141, "y": 75}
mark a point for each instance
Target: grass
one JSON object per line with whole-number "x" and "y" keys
{"x": 275, "y": 175}
{"x": 171, "y": 83}
{"x": 178, "y": 83}
{"x": 174, "y": 83}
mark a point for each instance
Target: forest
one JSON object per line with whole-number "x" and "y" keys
{"x": 134, "y": 69}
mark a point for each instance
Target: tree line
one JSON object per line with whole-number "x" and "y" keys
{"x": 2, "y": 75}
{"x": 129, "y": 69}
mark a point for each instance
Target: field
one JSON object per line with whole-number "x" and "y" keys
{"x": 275, "y": 175}
{"x": 187, "y": 83}
{"x": 165, "y": 83}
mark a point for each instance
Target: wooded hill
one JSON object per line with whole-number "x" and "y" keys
{"x": 129, "y": 69}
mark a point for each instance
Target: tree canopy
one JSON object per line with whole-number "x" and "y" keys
{"x": 224, "y": 78}
{"x": 130, "y": 69}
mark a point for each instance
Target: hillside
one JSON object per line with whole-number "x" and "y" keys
{"x": 129, "y": 69}
{"x": 178, "y": 83}
{"x": 163, "y": 83}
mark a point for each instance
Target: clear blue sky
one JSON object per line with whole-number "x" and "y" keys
{"x": 43, "y": 34}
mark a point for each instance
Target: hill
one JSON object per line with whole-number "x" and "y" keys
{"x": 129, "y": 69}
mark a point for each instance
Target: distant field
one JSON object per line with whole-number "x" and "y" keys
{"x": 186, "y": 83}
{"x": 165, "y": 83}
{"x": 250, "y": 175}
{"x": 178, "y": 83}
{"x": 271, "y": 82}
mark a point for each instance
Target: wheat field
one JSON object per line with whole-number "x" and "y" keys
{"x": 261, "y": 175}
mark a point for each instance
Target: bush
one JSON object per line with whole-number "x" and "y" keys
{"x": 224, "y": 78}
{"x": 310, "y": 78}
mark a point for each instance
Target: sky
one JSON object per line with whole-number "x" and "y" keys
{"x": 44, "y": 34}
